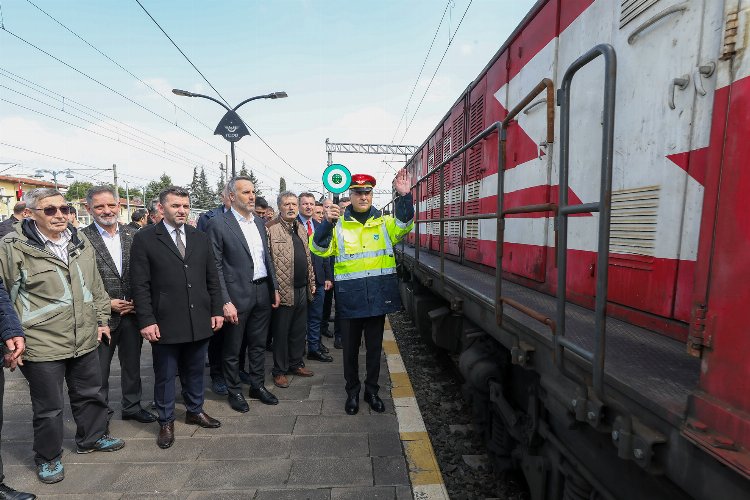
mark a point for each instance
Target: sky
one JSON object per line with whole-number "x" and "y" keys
{"x": 101, "y": 94}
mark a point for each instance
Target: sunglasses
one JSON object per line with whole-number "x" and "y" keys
{"x": 52, "y": 210}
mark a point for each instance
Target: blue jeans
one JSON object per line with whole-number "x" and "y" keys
{"x": 314, "y": 318}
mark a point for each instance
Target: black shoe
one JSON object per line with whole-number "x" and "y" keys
{"x": 352, "y": 404}
{"x": 323, "y": 348}
{"x": 376, "y": 404}
{"x": 8, "y": 493}
{"x": 238, "y": 403}
{"x": 327, "y": 333}
{"x": 319, "y": 356}
{"x": 264, "y": 395}
{"x": 337, "y": 344}
{"x": 142, "y": 416}
{"x": 219, "y": 386}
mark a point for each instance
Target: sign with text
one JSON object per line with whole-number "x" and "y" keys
{"x": 231, "y": 127}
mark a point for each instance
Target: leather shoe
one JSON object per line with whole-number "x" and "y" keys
{"x": 323, "y": 348}
{"x": 202, "y": 420}
{"x": 337, "y": 344}
{"x": 376, "y": 404}
{"x": 281, "y": 381}
{"x": 319, "y": 356}
{"x": 238, "y": 403}
{"x": 301, "y": 371}
{"x": 8, "y": 493}
{"x": 263, "y": 395}
{"x": 352, "y": 404}
{"x": 219, "y": 386}
{"x": 166, "y": 435}
{"x": 142, "y": 416}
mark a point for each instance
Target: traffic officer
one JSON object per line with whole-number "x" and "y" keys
{"x": 365, "y": 275}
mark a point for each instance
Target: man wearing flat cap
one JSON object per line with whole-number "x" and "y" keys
{"x": 365, "y": 278}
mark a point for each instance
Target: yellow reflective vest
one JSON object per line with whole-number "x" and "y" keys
{"x": 365, "y": 266}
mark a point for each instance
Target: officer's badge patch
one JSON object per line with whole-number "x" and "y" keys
{"x": 376, "y": 236}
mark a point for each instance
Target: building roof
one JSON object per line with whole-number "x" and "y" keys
{"x": 30, "y": 182}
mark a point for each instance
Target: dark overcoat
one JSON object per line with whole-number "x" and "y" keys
{"x": 180, "y": 295}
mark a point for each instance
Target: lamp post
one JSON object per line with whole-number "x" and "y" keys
{"x": 231, "y": 126}
{"x": 40, "y": 173}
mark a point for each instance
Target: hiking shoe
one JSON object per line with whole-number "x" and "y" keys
{"x": 104, "y": 443}
{"x": 50, "y": 472}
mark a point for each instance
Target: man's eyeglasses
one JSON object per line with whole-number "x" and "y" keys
{"x": 52, "y": 210}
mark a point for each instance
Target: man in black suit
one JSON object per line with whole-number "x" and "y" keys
{"x": 7, "y": 225}
{"x": 178, "y": 304}
{"x": 248, "y": 287}
{"x": 323, "y": 281}
{"x": 112, "y": 242}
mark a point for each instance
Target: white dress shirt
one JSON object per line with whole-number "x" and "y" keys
{"x": 254, "y": 242}
{"x": 58, "y": 248}
{"x": 113, "y": 244}
{"x": 173, "y": 233}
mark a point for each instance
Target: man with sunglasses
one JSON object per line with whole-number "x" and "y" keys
{"x": 56, "y": 290}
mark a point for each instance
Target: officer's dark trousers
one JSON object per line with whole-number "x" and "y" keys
{"x": 84, "y": 378}
{"x": 187, "y": 358}
{"x": 249, "y": 334}
{"x": 215, "y": 354}
{"x": 289, "y": 328}
{"x": 128, "y": 340}
{"x": 351, "y": 336}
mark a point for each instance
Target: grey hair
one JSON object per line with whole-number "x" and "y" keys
{"x": 95, "y": 190}
{"x": 34, "y": 196}
{"x": 282, "y": 195}
{"x": 152, "y": 206}
{"x": 173, "y": 190}
{"x": 232, "y": 184}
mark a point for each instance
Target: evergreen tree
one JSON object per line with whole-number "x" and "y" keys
{"x": 256, "y": 183}
{"x": 219, "y": 189}
{"x": 243, "y": 169}
{"x": 282, "y": 185}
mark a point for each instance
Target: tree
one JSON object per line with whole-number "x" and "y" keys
{"x": 77, "y": 190}
{"x": 219, "y": 189}
{"x": 153, "y": 188}
{"x": 243, "y": 169}
{"x": 244, "y": 172}
{"x": 200, "y": 192}
{"x": 282, "y": 185}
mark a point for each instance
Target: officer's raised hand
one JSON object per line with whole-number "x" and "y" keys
{"x": 333, "y": 212}
{"x": 402, "y": 182}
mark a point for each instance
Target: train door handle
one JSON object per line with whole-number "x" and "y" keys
{"x": 680, "y": 83}
{"x": 703, "y": 71}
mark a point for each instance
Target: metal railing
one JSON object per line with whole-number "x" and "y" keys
{"x": 562, "y": 209}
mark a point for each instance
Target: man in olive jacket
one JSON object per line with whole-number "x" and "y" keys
{"x": 50, "y": 271}
{"x": 175, "y": 286}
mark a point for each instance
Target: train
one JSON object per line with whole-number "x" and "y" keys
{"x": 581, "y": 246}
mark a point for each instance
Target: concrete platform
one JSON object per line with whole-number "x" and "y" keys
{"x": 305, "y": 447}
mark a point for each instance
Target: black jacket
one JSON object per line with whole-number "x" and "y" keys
{"x": 206, "y": 217}
{"x": 179, "y": 295}
{"x": 117, "y": 286}
{"x": 234, "y": 262}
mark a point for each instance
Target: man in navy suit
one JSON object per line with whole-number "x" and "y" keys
{"x": 248, "y": 287}
{"x": 323, "y": 281}
{"x": 177, "y": 296}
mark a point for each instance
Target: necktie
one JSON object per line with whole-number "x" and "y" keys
{"x": 309, "y": 227}
{"x": 180, "y": 244}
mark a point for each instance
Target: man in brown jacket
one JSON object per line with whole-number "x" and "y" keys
{"x": 287, "y": 240}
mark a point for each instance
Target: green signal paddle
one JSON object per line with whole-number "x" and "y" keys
{"x": 336, "y": 179}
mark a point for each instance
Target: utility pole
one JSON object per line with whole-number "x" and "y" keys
{"x": 114, "y": 172}
{"x": 127, "y": 197}
{"x": 226, "y": 168}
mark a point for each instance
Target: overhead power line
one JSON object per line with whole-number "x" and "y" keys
{"x": 436, "y": 70}
{"x": 217, "y": 92}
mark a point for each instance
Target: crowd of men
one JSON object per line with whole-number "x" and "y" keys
{"x": 239, "y": 283}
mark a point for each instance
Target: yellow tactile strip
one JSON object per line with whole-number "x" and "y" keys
{"x": 424, "y": 472}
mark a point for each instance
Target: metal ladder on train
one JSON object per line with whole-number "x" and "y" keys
{"x": 563, "y": 210}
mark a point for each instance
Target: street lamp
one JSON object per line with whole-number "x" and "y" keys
{"x": 39, "y": 173}
{"x": 231, "y": 126}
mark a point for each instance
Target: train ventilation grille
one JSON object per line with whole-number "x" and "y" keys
{"x": 630, "y": 9}
{"x": 634, "y": 217}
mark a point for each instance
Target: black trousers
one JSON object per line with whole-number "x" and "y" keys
{"x": 187, "y": 358}
{"x": 351, "y": 337}
{"x": 128, "y": 340}
{"x": 215, "y": 355}
{"x": 250, "y": 331}
{"x": 289, "y": 330}
{"x": 83, "y": 376}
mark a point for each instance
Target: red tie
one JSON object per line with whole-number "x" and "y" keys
{"x": 309, "y": 227}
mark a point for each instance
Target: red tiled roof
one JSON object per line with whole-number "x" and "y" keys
{"x": 31, "y": 182}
